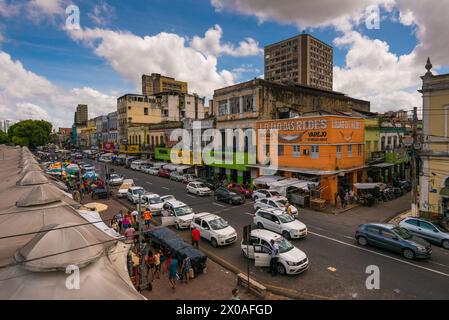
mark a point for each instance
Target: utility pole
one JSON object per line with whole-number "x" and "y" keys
{"x": 415, "y": 211}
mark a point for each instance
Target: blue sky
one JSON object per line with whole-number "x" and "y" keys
{"x": 35, "y": 37}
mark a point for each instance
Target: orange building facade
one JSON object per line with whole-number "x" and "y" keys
{"x": 327, "y": 149}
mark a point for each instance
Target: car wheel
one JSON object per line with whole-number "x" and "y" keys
{"x": 214, "y": 242}
{"x": 260, "y": 225}
{"x": 407, "y": 253}
{"x": 230, "y": 201}
{"x": 445, "y": 244}
{"x": 362, "y": 241}
{"x": 280, "y": 269}
{"x": 286, "y": 235}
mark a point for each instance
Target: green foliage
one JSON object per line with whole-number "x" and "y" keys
{"x": 30, "y": 133}
{"x": 3, "y": 137}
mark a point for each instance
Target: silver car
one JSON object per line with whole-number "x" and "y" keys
{"x": 426, "y": 230}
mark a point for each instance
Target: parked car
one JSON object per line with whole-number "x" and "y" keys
{"x": 426, "y": 230}
{"x": 265, "y": 193}
{"x": 164, "y": 173}
{"x": 168, "y": 197}
{"x": 135, "y": 165}
{"x": 214, "y": 229}
{"x": 198, "y": 188}
{"x": 99, "y": 193}
{"x": 393, "y": 238}
{"x": 210, "y": 183}
{"x": 276, "y": 203}
{"x": 241, "y": 189}
{"x": 188, "y": 177}
{"x": 291, "y": 260}
{"x": 144, "y": 167}
{"x": 154, "y": 203}
{"x": 106, "y": 158}
{"x": 115, "y": 179}
{"x": 123, "y": 189}
{"x": 278, "y": 221}
{"x": 151, "y": 170}
{"x": 134, "y": 193}
{"x": 228, "y": 196}
{"x": 130, "y": 160}
{"x": 88, "y": 168}
{"x": 176, "y": 176}
{"x": 181, "y": 214}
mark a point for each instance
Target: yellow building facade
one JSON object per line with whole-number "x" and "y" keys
{"x": 434, "y": 154}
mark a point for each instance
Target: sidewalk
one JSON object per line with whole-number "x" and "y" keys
{"x": 216, "y": 284}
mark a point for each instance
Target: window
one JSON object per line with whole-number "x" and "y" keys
{"x": 222, "y": 107}
{"x": 349, "y": 150}
{"x": 235, "y": 105}
{"x": 387, "y": 234}
{"x": 248, "y": 102}
{"x": 426, "y": 225}
{"x": 296, "y": 151}
{"x": 204, "y": 225}
{"x": 395, "y": 142}
{"x": 339, "y": 152}
{"x": 372, "y": 229}
{"x": 315, "y": 152}
{"x": 412, "y": 222}
{"x": 280, "y": 150}
{"x": 368, "y": 145}
{"x": 360, "y": 149}
{"x": 145, "y": 111}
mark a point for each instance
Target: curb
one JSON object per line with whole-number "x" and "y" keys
{"x": 397, "y": 214}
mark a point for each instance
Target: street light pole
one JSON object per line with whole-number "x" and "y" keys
{"x": 139, "y": 217}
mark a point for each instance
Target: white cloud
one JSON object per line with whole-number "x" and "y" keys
{"x": 43, "y": 10}
{"x": 371, "y": 71}
{"x": 211, "y": 45}
{"x": 165, "y": 53}
{"x": 9, "y": 9}
{"x": 26, "y": 95}
{"x": 102, "y": 14}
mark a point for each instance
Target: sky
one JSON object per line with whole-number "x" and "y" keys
{"x": 49, "y": 64}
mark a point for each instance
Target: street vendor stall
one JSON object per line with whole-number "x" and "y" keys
{"x": 368, "y": 193}
{"x": 296, "y": 191}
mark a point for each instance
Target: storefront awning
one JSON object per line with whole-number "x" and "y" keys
{"x": 267, "y": 179}
{"x": 292, "y": 182}
{"x": 382, "y": 165}
{"x": 170, "y": 167}
{"x": 181, "y": 168}
{"x": 307, "y": 171}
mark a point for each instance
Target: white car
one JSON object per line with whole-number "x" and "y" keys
{"x": 154, "y": 203}
{"x": 115, "y": 179}
{"x": 291, "y": 260}
{"x": 135, "y": 165}
{"x": 134, "y": 193}
{"x": 168, "y": 197}
{"x": 214, "y": 229}
{"x": 88, "y": 168}
{"x": 198, "y": 188}
{"x": 276, "y": 203}
{"x": 177, "y": 213}
{"x": 265, "y": 193}
{"x": 151, "y": 170}
{"x": 280, "y": 222}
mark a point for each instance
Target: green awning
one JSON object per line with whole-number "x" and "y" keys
{"x": 444, "y": 192}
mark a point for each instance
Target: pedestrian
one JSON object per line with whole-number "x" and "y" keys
{"x": 135, "y": 223}
{"x": 126, "y": 222}
{"x": 173, "y": 272}
{"x": 185, "y": 269}
{"x": 129, "y": 233}
{"x": 149, "y": 262}
{"x": 343, "y": 202}
{"x": 163, "y": 259}
{"x": 135, "y": 213}
{"x": 195, "y": 237}
{"x": 338, "y": 201}
{"x": 235, "y": 294}
{"x": 119, "y": 218}
{"x": 274, "y": 257}
{"x": 168, "y": 261}
{"x": 289, "y": 208}
{"x": 114, "y": 224}
{"x": 157, "y": 264}
{"x": 147, "y": 216}
{"x": 346, "y": 198}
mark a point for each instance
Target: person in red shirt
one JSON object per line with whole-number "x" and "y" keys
{"x": 195, "y": 237}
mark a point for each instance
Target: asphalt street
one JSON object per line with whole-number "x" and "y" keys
{"x": 337, "y": 265}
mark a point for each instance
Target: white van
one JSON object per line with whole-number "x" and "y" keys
{"x": 291, "y": 260}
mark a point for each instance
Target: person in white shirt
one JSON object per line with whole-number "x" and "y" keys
{"x": 274, "y": 257}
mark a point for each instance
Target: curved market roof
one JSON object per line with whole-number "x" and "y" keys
{"x": 39, "y": 195}
{"x": 32, "y": 178}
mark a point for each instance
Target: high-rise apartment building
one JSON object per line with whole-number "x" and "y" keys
{"x": 156, "y": 83}
{"x": 302, "y": 59}
{"x": 81, "y": 114}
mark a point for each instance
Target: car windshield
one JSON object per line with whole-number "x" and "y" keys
{"x": 114, "y": 176}
{"x": 200, "y": 185}
{"x": 404, "y": 234}
{"x": 167, "y": 198}
{"x": 232, "y": 194}
{"x": 182, "y": 211}
{"x": 281, "y": 203}
{"x": 284, "y": 245}
{"x": 285, "y": 218}
{"x": 218, "y": 224}
{"x": 154, "y": 200}
{"x": 139, "y": 191}
{"x": 275, "y": 194}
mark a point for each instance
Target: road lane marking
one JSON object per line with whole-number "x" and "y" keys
{"x": 165, "y": 188}
{"x": 348, "y": 237}
{"x": 332, "y": 269}
{"x": 220, "y": 205}
{"x": 250, "y": 214}
{"x": 148, "y": 183}
{"x": 189, "y": 195}
{"x": 379, "y": 254}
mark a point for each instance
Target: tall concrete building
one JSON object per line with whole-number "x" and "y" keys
{"x": 81, "y": 114}
{"x": 156, "y": 83}
{"x": 302, "y": 59}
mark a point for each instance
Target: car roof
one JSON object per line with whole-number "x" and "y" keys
{"x": 176, "y": 203}
{"x": 383, "y": 225}
{"x": 274, "y": 211}
{"x": 136, "y": 187}
{"x": 265, "y": 234}
{"x": 206, "y": 216}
